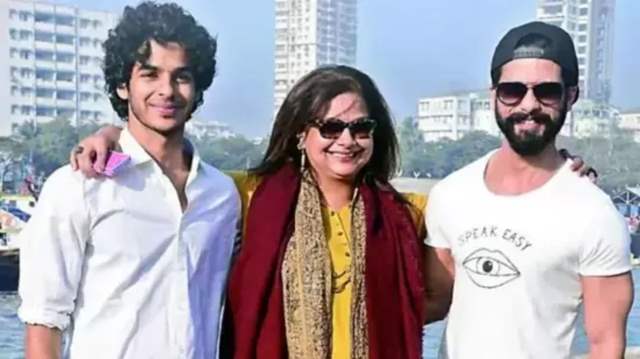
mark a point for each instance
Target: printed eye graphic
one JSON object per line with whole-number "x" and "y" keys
{"x": 490, "y": 269}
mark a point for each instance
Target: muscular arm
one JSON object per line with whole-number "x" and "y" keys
{"x": 607, "y": 302}
{"x": 438, "y": 275}
{"x": 42, "y": 342}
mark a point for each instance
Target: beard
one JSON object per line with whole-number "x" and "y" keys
{"x": 527, "y": 143}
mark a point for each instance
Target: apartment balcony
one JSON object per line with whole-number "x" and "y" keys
{"x": 46, "y": 101}
{"x": 66, "y": 103}
{"x": 42, "y": 45}
{"x": 45, "y": 27}
{"x": 44, "y": 64}
{"x": 22, "y": 100}
{"x": 66, "y": 66}
{"x": 65, "y": 29}
{"x": 50, "y": 84}
{"x": 66, "y": 48}
{"x": 65, "y": 85}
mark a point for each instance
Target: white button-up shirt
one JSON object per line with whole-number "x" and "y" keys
{"x": 118, "y": 266}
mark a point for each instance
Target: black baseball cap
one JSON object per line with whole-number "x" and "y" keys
{"x": 558, "y": 47}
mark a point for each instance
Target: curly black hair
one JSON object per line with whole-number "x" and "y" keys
{"x": 128, "y": 43}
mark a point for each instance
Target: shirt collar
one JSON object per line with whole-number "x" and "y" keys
{"x": 138, "y": 155}
{"x": 131, "y": 147}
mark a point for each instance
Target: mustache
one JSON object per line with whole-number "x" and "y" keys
{"x": 539, "y": 118}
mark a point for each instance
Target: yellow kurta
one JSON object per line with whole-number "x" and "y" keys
{"x": 337, "y": 225}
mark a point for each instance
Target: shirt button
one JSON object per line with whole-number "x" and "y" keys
{"x": 332, "y": 213}
{"x": 340, "y": 233}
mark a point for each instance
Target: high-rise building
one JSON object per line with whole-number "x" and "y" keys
{"x": 311, "y": 33}
{"x": 50, "y": 63}
{"x": 590, "y": 23}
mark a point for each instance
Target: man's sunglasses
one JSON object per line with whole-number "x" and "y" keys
{"x": 547, "y": 93}
{"x": 332, "y": 128}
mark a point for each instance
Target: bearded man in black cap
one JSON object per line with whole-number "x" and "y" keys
{"x": 528, "y": 241}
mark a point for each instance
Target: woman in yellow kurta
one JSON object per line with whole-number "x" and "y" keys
{"x": 337, "y": 226}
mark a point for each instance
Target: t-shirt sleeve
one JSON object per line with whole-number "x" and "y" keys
{"x": 436, "y": 237}
{"x": 606, "y": 245}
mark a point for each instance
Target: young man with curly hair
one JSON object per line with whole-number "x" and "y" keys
{"x": 135, "y": 266}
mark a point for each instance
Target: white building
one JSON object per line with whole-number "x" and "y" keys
{"x": 452, "y": 116}
{"x": 630, "y": 122}
{"x": 50, "y": 63}
{"x": 311, "y": 33}
{"x": 591, "y": 118}
{"x": 200, "y": 128}
{"x": 591, "y": 24}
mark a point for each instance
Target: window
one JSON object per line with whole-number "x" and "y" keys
{"x": 44, "y": 17}
{"x": 13, "y": 14}
{"x": 25, "y": 54}
{"x": 85, "y": 78}
{"x": 64, "y": 39}
{"x": 24, "y": 15}
{"x": 65, "y": 76}
{"x": 45, "y": 111}
{"x": 44, "y": 55}
{"x": 85, "y": 96}
{"x": 97, "y": 24}
{"x": 84, "y": 23}
{"x": 67, "y": 113}
{"x": 13, "y": 53}
{"x": 15, "y": 90}
{"x": 85, "y": 41}
{"x": 26, "y": 73}
{"x": 15, "y": 109}
{"x": 64, "y": 20}
{"x": 25, "y": 110}
{"x": 97, "y": 97}
{"x": 26, "y": 92}
{"x": 44, "y": 93}
{"x": 65, "y": 58}
{"x": 13, "y": 34}
{"x": 84, "y": 60}
{"x": 582, "y": 27}
{"x": 25, "y": 35}
{"x": 44, "y": 36}
{"x": 584, "y": 11}
{"x": 44, "y": 75}
{"x": 65, "y": 95}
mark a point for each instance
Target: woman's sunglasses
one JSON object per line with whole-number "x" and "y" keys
{"x": 332, "y": 128}
{"x": 547, "y": 93}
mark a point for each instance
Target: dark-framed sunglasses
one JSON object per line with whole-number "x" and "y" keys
{"x": 547, "y": 93}
{"x": 332, "y": 128}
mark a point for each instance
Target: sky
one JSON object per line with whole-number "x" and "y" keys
{"x": 411, "y": 48}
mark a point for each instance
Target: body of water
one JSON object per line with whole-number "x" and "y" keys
{"x": 11, "y": 330}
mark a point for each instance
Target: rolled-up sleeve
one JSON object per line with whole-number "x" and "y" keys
{"x": 51, "y": 252}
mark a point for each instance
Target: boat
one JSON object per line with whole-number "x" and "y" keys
{"x": 9, "y": 269}
{"x": 12, "y": 219}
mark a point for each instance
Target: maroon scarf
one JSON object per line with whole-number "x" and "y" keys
{"x": 393, "y": 274}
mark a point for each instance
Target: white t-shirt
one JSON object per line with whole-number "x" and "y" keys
{"x": 519, "y": 259}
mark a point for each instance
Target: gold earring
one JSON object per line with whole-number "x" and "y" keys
{"x": 302, "y": 153}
